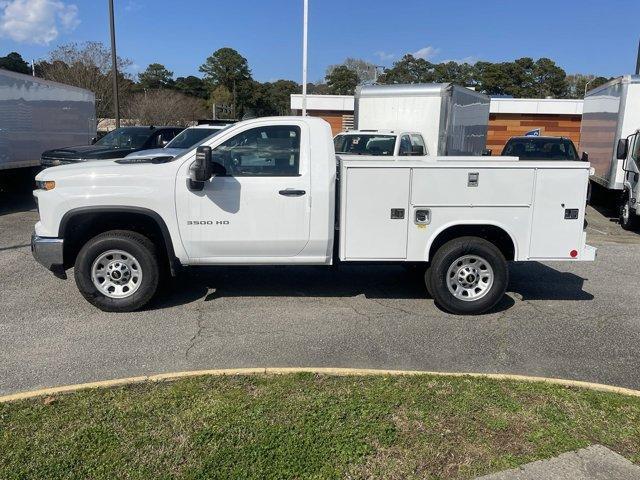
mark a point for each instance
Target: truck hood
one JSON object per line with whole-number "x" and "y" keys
{"x": 156, "y": 152}
{"x": 84, "y": 152}
{"x": 108, "y": 170}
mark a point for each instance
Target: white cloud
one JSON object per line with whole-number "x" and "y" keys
{"x": 426, "y": 52}
{"x": 36, "y": 21}
{"x": 384, "y": 56}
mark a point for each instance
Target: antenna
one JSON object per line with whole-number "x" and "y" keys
{"x": 638, "y": 60}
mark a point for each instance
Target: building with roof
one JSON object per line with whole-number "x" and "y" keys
{"x": 508, "y": 117}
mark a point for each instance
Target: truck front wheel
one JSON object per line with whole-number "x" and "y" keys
{"x": 628, "y": 216}
{"x": 117, "y": 271}
{"x": 468, "y": 275}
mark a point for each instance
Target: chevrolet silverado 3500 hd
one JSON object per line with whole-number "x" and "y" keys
{"x": 264, "y": 192}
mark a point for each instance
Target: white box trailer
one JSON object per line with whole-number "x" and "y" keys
{"x": 611, "y": 112}
{"x": 453, "y": 120}
{"x": 38, "y": 115}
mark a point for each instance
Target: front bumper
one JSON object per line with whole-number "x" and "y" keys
{"x": 49, "y": 252}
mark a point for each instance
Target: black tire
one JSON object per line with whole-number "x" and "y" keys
{"x": 140, "y": 248}
{"x": 627, "y": 216}
{"x": 473, "y": 248}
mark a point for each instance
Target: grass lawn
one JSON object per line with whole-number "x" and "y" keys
{"x": 309, "y": 426}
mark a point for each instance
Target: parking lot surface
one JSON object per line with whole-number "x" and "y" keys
{"x": 567, "y": 320}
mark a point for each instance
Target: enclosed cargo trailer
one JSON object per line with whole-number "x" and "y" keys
{"x": 38, "y": 115}
{"x": 453, "y": 120}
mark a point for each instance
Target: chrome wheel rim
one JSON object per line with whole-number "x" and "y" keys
{"x": 116, "y": 274}
{"x": 469, "y": 278}
{"x": 625, "y": 211}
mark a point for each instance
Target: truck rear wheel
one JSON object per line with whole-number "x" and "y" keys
{"x": 117, "y": 271}
{"x": 468, "y": 275}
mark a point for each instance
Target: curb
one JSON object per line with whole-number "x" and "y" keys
{"x": 324, "y": 371}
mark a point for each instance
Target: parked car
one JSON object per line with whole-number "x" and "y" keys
{"x": 540, "y": 148}
{"x": 244, "y": 197}
{"x": 183, "y": 141}
{"x": 116, "y": 144}
{"x": 380, "y": 143}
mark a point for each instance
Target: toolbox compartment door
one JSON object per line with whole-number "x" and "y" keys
{"x": 376, "y": 213}
{"x": 558, "y": 213}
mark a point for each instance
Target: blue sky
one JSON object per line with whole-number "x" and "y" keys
{"x": 581, "y": 36}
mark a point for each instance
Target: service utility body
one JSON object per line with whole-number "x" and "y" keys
{"x": 265, "y": 192}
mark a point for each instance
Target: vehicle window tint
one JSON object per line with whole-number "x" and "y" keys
{"x": 418, "y": 141}
{"x": 191, "y": 136}
{"x": 264, "y": 151}
{"x": 405, "y": 145}
{"x": 125, "y": 137}
{"x": 159, "y": 139}
{"x": 378, "y": 145}
{"x": 541, "y": 149}
{"x": 636, "y": 148}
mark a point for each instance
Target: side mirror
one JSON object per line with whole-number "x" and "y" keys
{"x": 94, "y": 140}
{"x": 418, "y": 150}
{"x": 164, "y": 143}
{"x": 487, "y": 152}
{"x": 623, "y": 149}
{"x": 584, "y": 157}
{"x": 200, "y": 170}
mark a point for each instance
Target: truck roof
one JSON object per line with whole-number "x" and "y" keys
{"x": 411, "y": 90}
{"x": 30, "y": 78}
{"x": 621, "y": 79}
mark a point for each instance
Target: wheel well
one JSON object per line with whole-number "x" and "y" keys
{"x": 78, "y": 227}
{"x": 496, "y": 235}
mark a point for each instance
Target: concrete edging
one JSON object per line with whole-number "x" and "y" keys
{"x": 325, "y": 371}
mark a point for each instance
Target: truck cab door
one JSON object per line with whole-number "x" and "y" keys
{"x": 257, "y": 205}
{"x": 632, "y": 165}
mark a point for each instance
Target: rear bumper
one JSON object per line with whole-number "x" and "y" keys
{"x": 588, "y": 254}
{"x": 49, "y": 252}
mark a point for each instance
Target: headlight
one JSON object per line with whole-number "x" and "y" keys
{"x": 45, "y": 184}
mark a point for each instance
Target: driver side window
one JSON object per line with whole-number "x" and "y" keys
{"x": 270, "y": 151}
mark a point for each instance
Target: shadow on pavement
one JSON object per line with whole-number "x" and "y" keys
{"x": 531, "y": 280}
{"x": 15, "y": 202}
{"x": 536, "y": 281}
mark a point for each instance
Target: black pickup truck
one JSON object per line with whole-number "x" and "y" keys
{"x": 116, "y": 144}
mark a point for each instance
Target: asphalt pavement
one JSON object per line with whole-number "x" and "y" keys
{"x": 567, "y": 320}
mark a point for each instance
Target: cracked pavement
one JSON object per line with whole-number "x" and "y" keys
{"x": 568, "y": 320}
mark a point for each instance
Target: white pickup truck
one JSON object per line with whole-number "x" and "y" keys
{"x": 264, "y": 192}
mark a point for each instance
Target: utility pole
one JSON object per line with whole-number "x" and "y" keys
{"x": 305, "y": 32}
{"x": 114, "y": 65}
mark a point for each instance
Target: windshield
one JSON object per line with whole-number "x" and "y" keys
{"x": 371, "y": 144}
{"x": 204, "y": 140}
{"x": 127, "y": 137}
{"x": 541, "y": 149}
{"x": 189, "y": 137}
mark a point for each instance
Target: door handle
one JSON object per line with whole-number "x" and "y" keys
{"x": 292, "y": 193}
